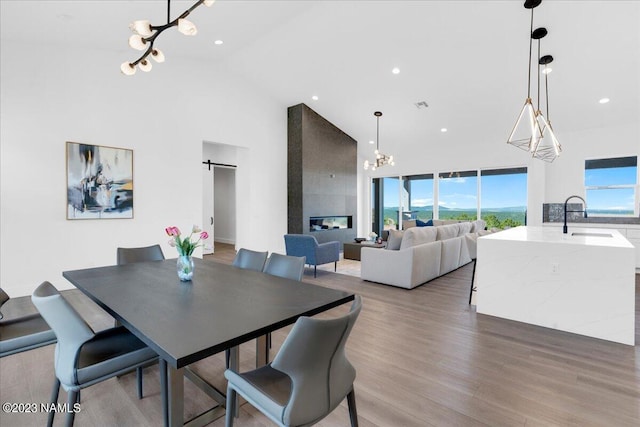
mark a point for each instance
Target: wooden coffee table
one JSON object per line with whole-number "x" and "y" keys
{"x": 352, "y": 250}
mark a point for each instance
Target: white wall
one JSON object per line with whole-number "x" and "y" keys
{"x": 50, "y": 95}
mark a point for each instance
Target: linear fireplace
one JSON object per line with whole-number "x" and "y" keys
{"x": 319, "y": 223}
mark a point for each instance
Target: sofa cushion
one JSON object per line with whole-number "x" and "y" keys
{"x": 395, "y": 239}
{"x": 450, "y": 259}
{"x": 447, "y": 231}
{"x": 465, "y": 253}
{"x": 417, "y": 236}
{"x": 464, "y": 228}
{"x": 472, "y": 244}
{"x": 478, "y": 225}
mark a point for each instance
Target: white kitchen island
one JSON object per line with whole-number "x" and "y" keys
{"x": 581, "y": 282}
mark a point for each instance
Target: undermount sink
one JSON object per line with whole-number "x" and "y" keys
{"x": 592, "y": 234}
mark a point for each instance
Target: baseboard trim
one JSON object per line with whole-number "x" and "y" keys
{"x": 223, "y": 240}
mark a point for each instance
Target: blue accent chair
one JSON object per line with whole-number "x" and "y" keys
{"x": 316, "y": 253}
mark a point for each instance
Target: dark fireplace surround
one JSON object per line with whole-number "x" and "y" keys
{"x": 322, "y": 177}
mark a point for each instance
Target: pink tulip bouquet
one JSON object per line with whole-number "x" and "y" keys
{"x": 186, "y": 246}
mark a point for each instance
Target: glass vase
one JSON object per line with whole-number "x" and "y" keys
{"x": 185, "y": 268}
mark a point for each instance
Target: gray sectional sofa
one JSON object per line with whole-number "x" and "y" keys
{"x": 424, "y": 253}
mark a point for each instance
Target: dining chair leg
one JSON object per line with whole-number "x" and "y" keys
{"x": 139, "y": 381}
{"x": 351, "y": 403}
{"x": 54, "y": 400}
{"x": 71, "y": 400}
{"x": 315, "y": 270}
{"x": 230, "y": 407}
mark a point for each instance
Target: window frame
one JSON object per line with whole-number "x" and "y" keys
{"x": 613, "y": 162}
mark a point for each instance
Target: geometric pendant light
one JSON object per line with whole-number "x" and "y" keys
{"x": 527, "y": 132}
{"x": 548, "y": 147}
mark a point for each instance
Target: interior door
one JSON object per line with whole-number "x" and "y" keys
{"x": 207, "y": 207}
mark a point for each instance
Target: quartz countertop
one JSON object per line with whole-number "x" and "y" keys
{"x": 594, "y": 236}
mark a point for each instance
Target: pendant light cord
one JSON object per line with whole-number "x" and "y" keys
{"x": 546, "y": 90}
{"x": 538, "y": 62}
{"x": 168, "y": 11}
{"x": 378, "y": 133}
{"x": 530, "y": 52}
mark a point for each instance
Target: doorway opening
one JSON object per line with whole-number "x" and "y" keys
{"x": 219, "y": 212}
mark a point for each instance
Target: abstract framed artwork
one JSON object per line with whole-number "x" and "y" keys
{"x": 99, "y": 182}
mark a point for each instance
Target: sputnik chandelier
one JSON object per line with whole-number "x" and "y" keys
{"x": 145, "y": 36}
{"x": 540, "y": 139}
{"x": 381, "y": 159}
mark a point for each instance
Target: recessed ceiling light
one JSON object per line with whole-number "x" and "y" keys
{"x": 396, "y": 70}
{"x": 372, "y": 142}
{"x": 604, "y": 100}
{"x": 443, "y": 130}
{"x": 218, "y": 42}
{"x": 314, "y": 97}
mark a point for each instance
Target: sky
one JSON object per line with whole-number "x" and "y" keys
{"x": 620, "y": 198}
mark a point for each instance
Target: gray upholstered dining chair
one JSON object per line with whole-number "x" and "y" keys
{"x": 289, "y": 267}
{"x": 247, "y": 260}
{"x": 308, "y": 378}
{"x": 22, "y": 333}
{"x": 250, "y": 260}
{"x": 83, "y": 357}
{"x": 131, "y": 255}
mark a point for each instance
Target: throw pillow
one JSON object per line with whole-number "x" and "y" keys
{"x": 424, "y": 224}
{"x": 395, "y": 239}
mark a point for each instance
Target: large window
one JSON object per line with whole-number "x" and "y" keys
{"x": 419, "y": 195}
{"x": 503, "y": 197}
{"x": 499, "y": 196}
{"x": 610, "y": 186}
{"x": 458, "y": 195}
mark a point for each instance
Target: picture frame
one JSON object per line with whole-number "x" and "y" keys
{"x": 99, "y": 182}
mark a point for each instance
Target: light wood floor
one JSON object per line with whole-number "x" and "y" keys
{"x": 423, "y": 358}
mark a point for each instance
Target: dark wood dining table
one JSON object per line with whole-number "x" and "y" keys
{"x": 184, "y": 322}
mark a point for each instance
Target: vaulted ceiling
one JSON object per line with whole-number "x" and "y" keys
{"x": 466, "y": 59}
